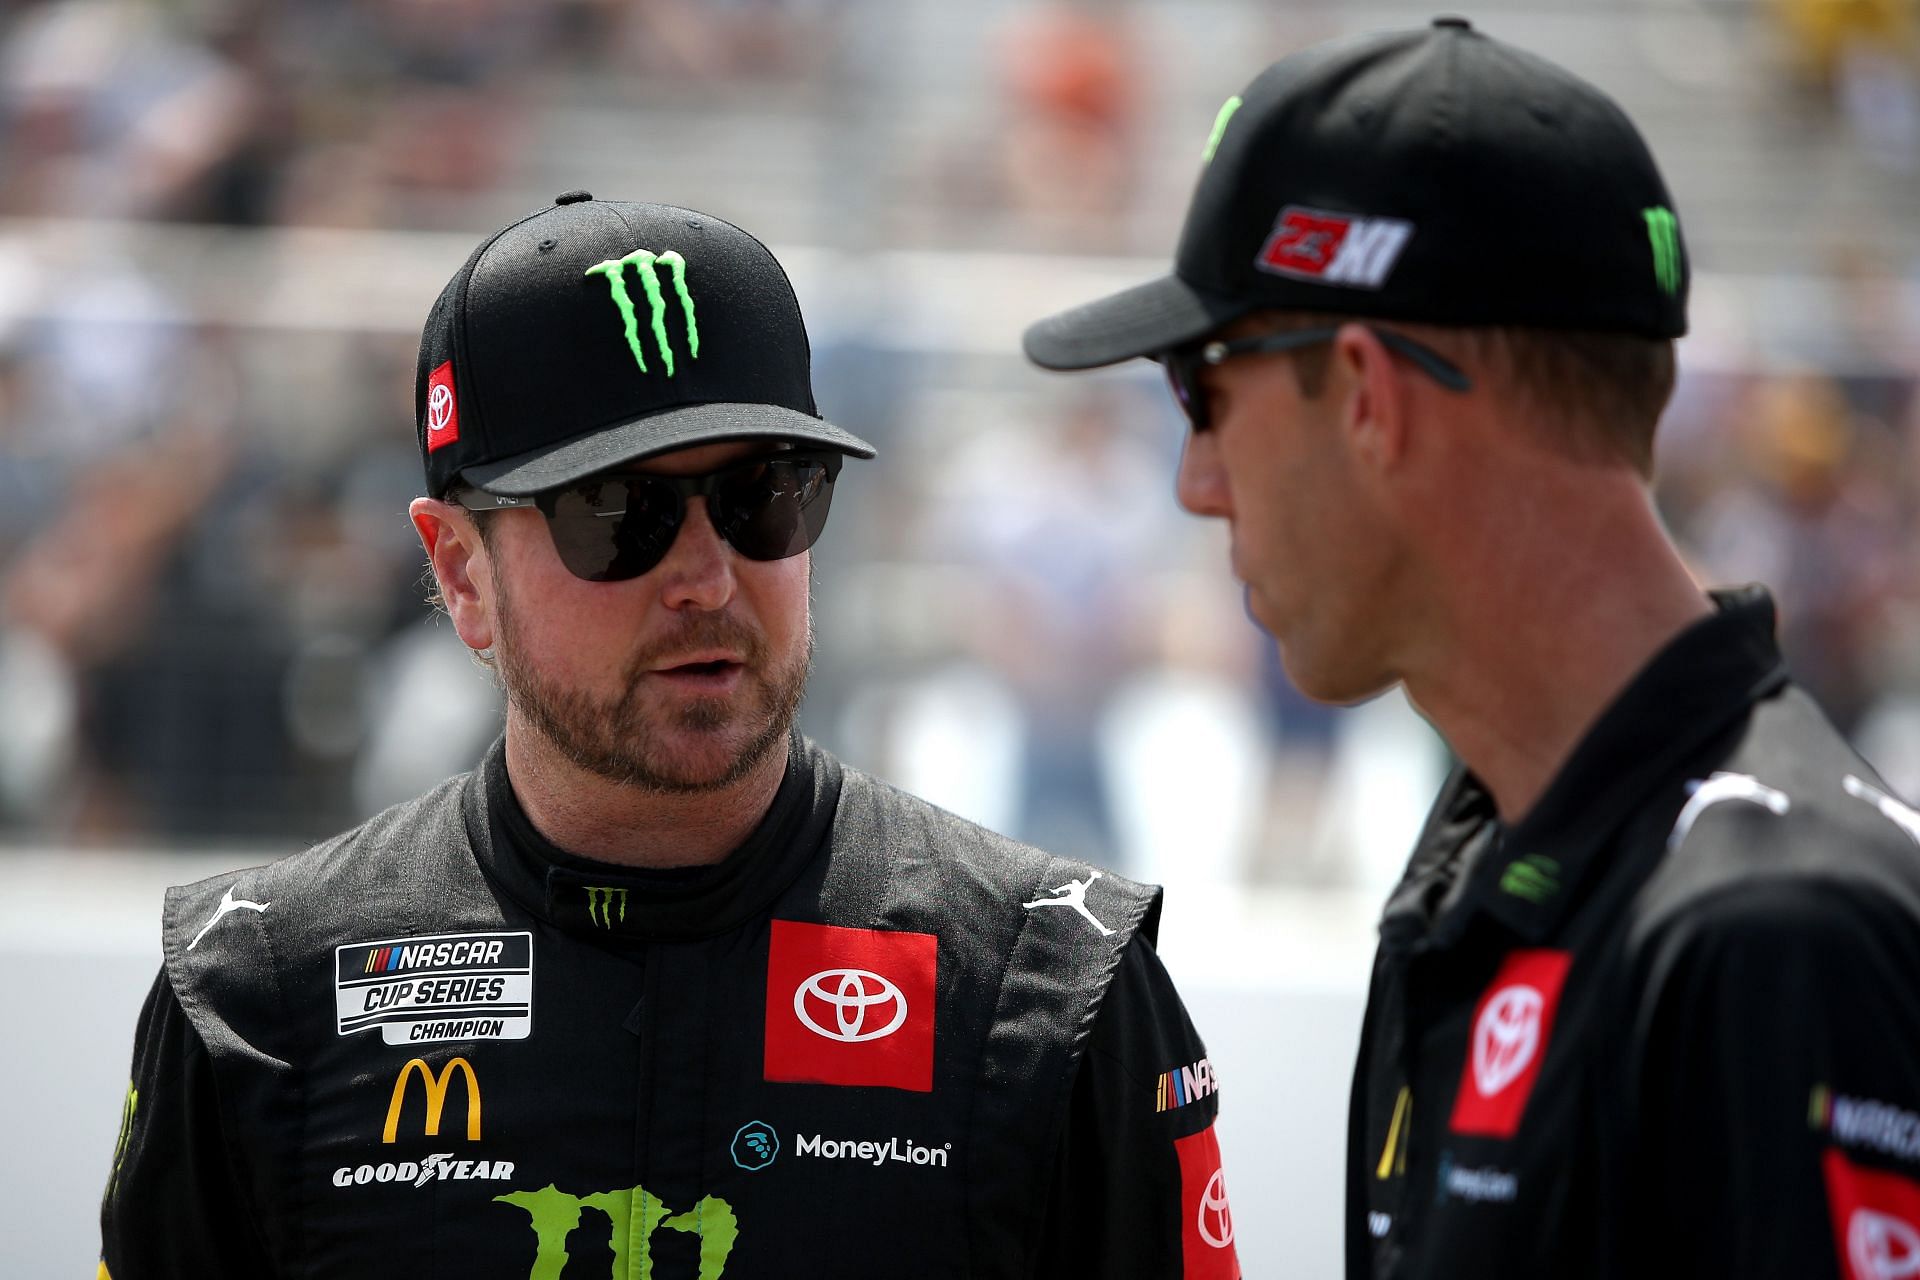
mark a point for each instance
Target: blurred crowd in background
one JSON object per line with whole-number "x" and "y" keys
{"x": 224, "y": 221}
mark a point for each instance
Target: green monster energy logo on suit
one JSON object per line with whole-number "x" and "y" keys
{"x": 601, "y": 901}
{"x": 1663, "y": 231}
{"x": 1535, "y": 877}
{"x": 646, "y": 265}
{"x": 636, "y": 1214}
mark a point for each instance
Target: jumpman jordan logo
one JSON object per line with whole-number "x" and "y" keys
{"x": 228, "y": 903}
{"x": 1073, "y": 894}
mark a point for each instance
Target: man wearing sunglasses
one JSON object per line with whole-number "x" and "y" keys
{"x": 1644, "y": 1001}
{"x": 661, "y": 989}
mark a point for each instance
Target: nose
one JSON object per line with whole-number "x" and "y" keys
{"x": 1201, "y": 486}
{"x": 697, "y": 572}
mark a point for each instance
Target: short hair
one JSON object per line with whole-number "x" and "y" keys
{"x": 1603, "y": 393}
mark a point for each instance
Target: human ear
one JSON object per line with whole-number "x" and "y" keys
{"x": 460, "y": 565}
{"x": 1374, "y": 418}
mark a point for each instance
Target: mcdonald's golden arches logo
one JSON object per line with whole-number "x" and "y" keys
{"x": 436, "y": 1090}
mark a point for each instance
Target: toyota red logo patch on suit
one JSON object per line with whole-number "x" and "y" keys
{"x": 1206, "y": 1232}
{"x": 1511, "y": 1028}
{"x": 850, "y": 1006}
{"x": 1876, "y": 1220}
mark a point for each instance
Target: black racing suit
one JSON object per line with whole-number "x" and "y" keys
{"x": 1668, "y": 1024}
{"x": 874, "y": 1041}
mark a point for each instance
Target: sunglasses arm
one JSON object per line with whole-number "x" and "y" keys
{"x": 475, "y": 500}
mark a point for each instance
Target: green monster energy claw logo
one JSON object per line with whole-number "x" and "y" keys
{"x": 1663, "y": 232}
{"x": 645, "y": 264}
{"x": 1534, "y": 878}
{"x": 601, "y": 901}
{"x": 1227, "y": 109}
{"x": 636, "y": 1214}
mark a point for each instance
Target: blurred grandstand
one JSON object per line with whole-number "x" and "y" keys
{"x": 224, "y": 221}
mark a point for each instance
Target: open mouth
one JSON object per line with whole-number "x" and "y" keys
{"x": 718, "y": 666}
{"x": 713, "y": 674}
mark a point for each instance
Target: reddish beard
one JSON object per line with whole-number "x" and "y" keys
{"x": 629, "y": 740}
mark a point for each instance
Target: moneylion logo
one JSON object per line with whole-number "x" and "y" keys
{"x": 646, "y": 265}
{"x": 601, "y": 901}
{"x": 755, "y": 1145}
{"x": 635, "y": 1216}
{"x": 436, "y": 1090}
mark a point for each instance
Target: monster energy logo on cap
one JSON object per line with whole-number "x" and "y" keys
{"x": 601, "y": 900}
{"x": 1227, "y": 110}
{"x": 645, "y": 264}
{"x": 1663, "y": 231}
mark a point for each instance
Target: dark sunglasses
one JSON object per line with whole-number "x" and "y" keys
{"x": 617, "y": 525}
{"x": 1183, "y": 363}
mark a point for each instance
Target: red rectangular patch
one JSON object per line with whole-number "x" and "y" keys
{"x": 1206, "y": 1223}
{"x": 1304, "y": 242}
{"x": 850, "y": 1006}
{"x": 1876, "y": 1219}
{"x": 1511, "y": 1027}
{"x": 443, "y": 414}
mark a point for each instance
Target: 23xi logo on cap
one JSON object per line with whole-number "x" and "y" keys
{"x": 1510, "y": 1031}
{"x": 1334, "y": 248}
{"x": 850, "y": 1006}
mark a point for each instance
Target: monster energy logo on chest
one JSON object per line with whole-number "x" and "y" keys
{"x": 603, "y": 902}
{"x": 646, "y": 265}
{"x": 1535, "y": 877}
{"x": 635, "y": 1215}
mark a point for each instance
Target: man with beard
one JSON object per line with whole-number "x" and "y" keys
{"x": 733, "y": 1009}
{"x": 1644, "y": 1001}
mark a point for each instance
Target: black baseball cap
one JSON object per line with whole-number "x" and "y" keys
{"x": 599, "y": 332}
{"x": 1436, "y": 175}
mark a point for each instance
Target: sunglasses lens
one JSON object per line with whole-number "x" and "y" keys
{"x": 774, "y": 508}
{"x": 1183, "y": 379}
{"x": 612, "y": 528}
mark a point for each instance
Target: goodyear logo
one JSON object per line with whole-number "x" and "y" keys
{"x": 457, "y": 986}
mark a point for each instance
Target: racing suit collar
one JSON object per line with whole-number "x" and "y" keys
{"x": 593, "y": 898}
{"x": 1528, "y": 877}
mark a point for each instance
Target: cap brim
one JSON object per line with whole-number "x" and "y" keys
{"x": 1142, "y": 321}
{"x": 681, "y": 428}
